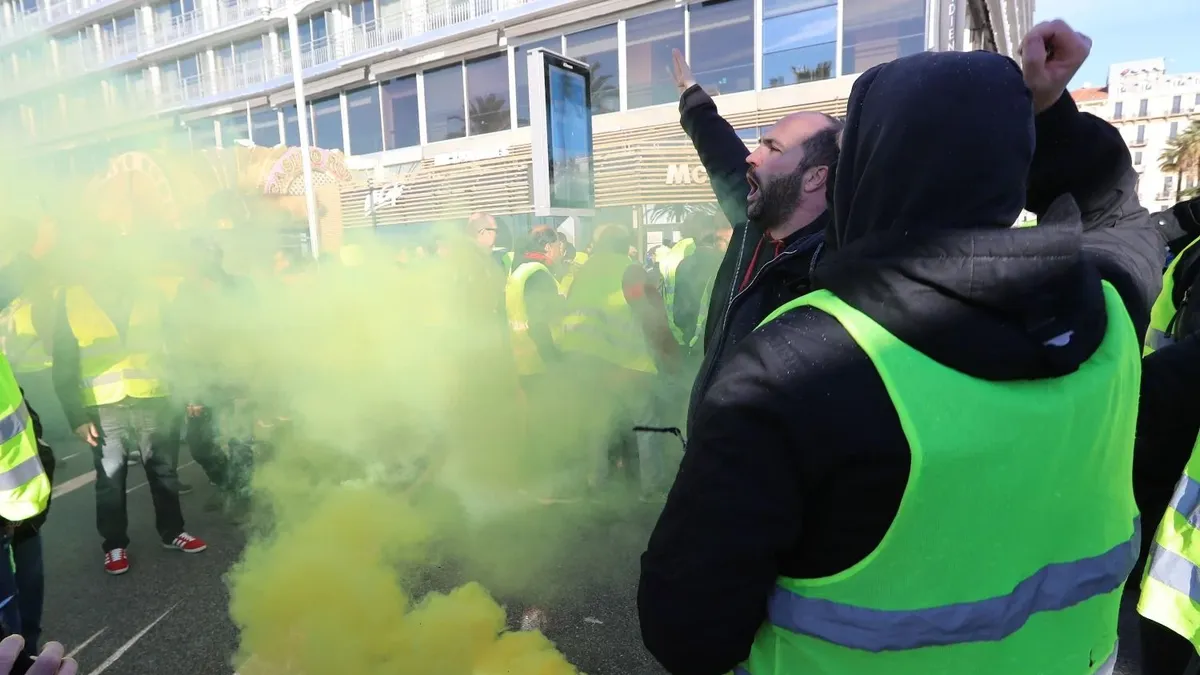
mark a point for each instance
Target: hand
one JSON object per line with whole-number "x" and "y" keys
{"x": 49, "y": 662}
{"x": 682, "y": 72}
{"x": 88, "y": 434}
{"x": 1051, "y": 54}
{"x": 194, "y": 410}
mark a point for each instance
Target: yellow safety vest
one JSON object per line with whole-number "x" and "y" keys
{"x": 599, "y": 322}
{"x": 24, "y": 486}
{"x": 113, "y": 366}
{"x": 1164, "y": 311}
{"x": 1169, "y": 591}
{"x": 25, "y": 350}
{"x": 525, "y": 350}
{"x": 669, "y": 266}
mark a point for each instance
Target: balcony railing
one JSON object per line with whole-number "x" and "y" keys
{"x": 54, "y": 12}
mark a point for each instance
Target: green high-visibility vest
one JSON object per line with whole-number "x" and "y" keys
{"x": 669, "y": 265}
{"x": 24, "y": 486}
{"x": 599, "y": 322}
{"x": 24, "y": 348}
{"x": 1169, "y": 593}
{"x": 702, "y": 315}
{"x": 525, "y": 351}
{"x": 1014, "y": 537}
{"x": 508, "y": 262}
{"x": 1164, "y": 311}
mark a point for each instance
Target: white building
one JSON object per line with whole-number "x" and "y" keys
{"x": 1150, "y": 108}
{"x": 397, "y": 83}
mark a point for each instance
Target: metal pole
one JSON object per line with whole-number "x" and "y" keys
{"x": 310, "y": 197}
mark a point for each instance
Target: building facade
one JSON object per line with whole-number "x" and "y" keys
{"x": 428, "y": 99}
{"x": 1150, "y": 107}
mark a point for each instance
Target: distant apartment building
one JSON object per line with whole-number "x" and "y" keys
{"x": 433, "y": 95}
{"x": 1150, "y": 107}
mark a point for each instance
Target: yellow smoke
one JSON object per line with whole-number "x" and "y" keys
{"x": 407, "y": 465}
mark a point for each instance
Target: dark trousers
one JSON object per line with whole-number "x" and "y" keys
{"x": 229, "y": 469}
{"x": 145, "y": 425}
{"x": 23, "y": 587}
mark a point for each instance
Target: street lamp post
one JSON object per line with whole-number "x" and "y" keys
{"x": 310, "y": 196}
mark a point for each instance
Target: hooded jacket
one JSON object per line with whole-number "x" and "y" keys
{"x": 797, "y": 460}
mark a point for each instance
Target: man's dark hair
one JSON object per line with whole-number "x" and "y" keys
{"x": 821, "y": 149}
{"x": 613, "y": 238}
{"x": 538, "y": 239}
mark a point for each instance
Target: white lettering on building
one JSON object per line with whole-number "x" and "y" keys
{"x": 387, "y": 196}
{"x": 686, "y": 174}
{"x": 469, "y": 156}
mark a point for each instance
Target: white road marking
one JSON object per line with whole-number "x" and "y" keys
{"x": 63, "y": 459}
{"x": 133, "y": 640}
{"x": 86, "y": 642}
{"x": 74, "y": 484}
{"x": 144, "y": 483}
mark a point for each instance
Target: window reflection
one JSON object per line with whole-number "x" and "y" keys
{"x": 487, "y": 95}
{"x": 444, "y": 114}
{"x": 521, "y": 63}
{"x": 722, "y": 41}
{"x": 649, "y": 40}
{"x": 327, "y": 123}
{"x": 598, "y": 48}
{"x": 401, "y": 117}
{"x": 265, "y": 128}
{"x": 364, "y": 121}
{"x": 799, "y": 41}
{"x": 878, "y": 31}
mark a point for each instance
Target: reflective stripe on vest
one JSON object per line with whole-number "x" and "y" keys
{"x": 114, "y": 365}
{"x": 1171, "y": 583}
{"x": 1054, "y": 587}
{"x": 1033, "y": 587}
{"x": 24, "y": 487}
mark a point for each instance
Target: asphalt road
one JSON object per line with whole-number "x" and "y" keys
{"x": 168, "y": 614}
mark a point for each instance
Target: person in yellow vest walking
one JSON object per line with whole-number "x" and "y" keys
{"x": 616, "y": 327}
{"x": 925, "y": 466}
{"x": 109, "y": 373}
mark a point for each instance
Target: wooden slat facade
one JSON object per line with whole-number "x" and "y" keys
{"x": 632, "y": 168}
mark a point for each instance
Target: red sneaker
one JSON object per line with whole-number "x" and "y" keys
{"x": 116, "y": 561}
{"x": 186, "y": 543}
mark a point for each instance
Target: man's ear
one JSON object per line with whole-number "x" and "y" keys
{"x": 816, "y": 178}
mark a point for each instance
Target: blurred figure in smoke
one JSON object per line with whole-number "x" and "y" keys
{"x": 695, "y": 274}
{"x": 109, "y": 373}
{"x": 533, "y": 304}
{"x": 483, "y": 229}
{"x": 209, "y": 291}
{"x": 616, "y": 328}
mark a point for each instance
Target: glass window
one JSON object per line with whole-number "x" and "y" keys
{"x": 327, "y": 123}
{"x": 877, "y": 31}
{"x": 521, "y": 63}
{"x": 1174, "y": 131}
{"x": 265, "y": 127}
{"x": 1144, "y": 108}
{"x": 189, "y": 68}
{"x": 233, "y": 128}
{"x": 1137, "y": 158}
{"x": 722, "y": 37}
{"x": 366, "y": 127}
{"x": 362, "y": 13}
{"x": 203, "y": 134}
{"x": 487, "y": 95}
{"x": 249, "y": 51}
{"x": 444, "y": 114}
{"x": 401, "y": 116}
{"x": 598, "y": 48}
{"x": 291, "y": 126}
{"x": 1198, "y": 100}
{"x": 799, "y": 41}
{"x": 1141, "y": 133}
{"x": 1118, "y": 110}
{"x": 1176, "y": 105}
{"x": 649, "y": 40}
{"x": 225, "y": 59}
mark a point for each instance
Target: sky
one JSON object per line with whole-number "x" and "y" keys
{"x": 1129, "y": 30}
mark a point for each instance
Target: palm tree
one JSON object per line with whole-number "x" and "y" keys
{"x": 1182, "y": 157}
{"x": 604, "y": 91}
{"x": 677, "y": 213}
{"x": 488, "y": 113}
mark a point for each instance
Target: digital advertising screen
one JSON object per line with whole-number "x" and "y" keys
{"x": 561, "y": 117}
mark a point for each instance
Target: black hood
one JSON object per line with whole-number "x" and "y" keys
{"x": 932, "y": 175}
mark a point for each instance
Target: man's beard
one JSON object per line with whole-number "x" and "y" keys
{"x": 777, "y": 199}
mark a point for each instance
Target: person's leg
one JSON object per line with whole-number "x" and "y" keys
{"x": 160, "y": 455}
{"x": 10, "y": 612}
{"x": 108, "y": 457}
{"x": 202, "y": 442}
{"x": 650, "y": 445}
{"x": 31, "y": 589}
{"x": 1164, "y": 652}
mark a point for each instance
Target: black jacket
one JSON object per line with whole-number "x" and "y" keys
{"x": 797, "y": 461}
{"x": 732, "y": 314}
